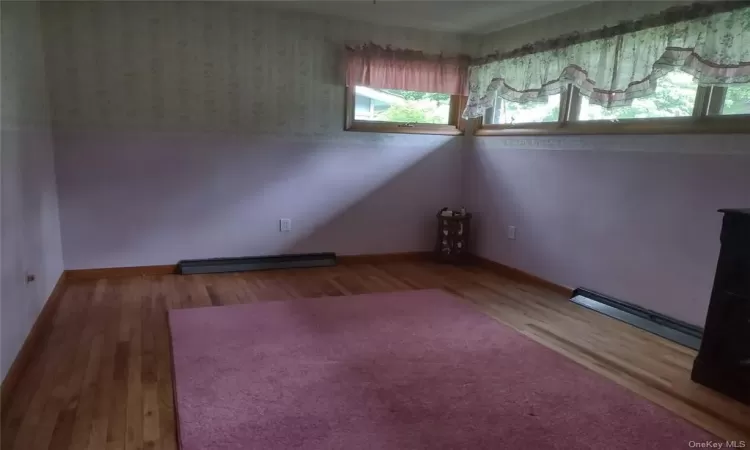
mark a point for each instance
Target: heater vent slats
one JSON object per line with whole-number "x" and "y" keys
{"x": 653, "y": 322}
{"x": 250, "y": 263}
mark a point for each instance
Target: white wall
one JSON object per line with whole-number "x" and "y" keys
{"x": 633, "y": 217}
{"x": 29, "y": 223}
{"x": 187, "y": 129}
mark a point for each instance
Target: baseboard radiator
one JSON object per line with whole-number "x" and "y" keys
{"x": 249, "y": 263}
{"x": 651, "y": 321}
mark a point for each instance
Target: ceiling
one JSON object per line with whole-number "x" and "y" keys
{"x": 467, "y": 16}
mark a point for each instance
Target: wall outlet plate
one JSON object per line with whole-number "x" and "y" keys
{"x": 285, "y": 225}
{"x": 511, "y": 232}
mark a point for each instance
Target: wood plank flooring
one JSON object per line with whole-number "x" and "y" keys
{"x": 103, "y": 378}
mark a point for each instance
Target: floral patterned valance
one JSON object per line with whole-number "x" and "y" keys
{"x": 613, "y": 71}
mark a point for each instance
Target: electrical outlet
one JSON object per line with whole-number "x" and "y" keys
{"x": 511, "y": 232}
{"x": 285, "y": 225}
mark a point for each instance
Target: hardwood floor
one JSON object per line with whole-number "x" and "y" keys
{"x": 103, "y": 378}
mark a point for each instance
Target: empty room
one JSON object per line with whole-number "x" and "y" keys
{"x": 374, "y": 224}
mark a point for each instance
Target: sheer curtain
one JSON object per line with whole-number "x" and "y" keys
{"x": 613, "y": 71}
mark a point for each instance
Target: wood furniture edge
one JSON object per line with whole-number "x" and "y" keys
{"x": 518, "y": 274}
{"x": 34, "y": 341}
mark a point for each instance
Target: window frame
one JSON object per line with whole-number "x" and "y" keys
{"x": 454, "y": 127}
{"x": 708, "y": 102}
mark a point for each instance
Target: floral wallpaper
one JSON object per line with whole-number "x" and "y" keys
{"x": 205, "y": 65}
{"x": 592, "y": 16}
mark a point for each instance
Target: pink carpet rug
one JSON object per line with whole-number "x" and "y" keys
{"x": 404, "y": 370}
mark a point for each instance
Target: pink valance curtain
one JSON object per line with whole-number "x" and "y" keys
{"x": 377, "y": 67}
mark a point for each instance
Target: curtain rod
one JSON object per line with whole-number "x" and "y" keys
{"x": 669, "y": 16}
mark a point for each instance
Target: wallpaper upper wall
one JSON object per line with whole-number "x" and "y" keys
{"x": 30, "y": 238}
{"x": 205, "y": 66}
{"x": 585, "y": 18}
{"x": 24, "y": 96}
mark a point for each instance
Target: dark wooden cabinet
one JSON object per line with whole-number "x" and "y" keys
{"x": 723, "y": 361}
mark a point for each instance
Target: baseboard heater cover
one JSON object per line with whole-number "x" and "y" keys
{"x": 645, "y": 319}
{"x": 249, "y": 263}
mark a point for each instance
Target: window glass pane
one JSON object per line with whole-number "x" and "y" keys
{"x": 674, "y": 97}
{"x": 508, "y": 113}
{"x": 736, "y": 100}
{"x": 393, "y": 105}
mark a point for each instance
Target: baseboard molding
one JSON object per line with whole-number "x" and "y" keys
{"x": 170, "y": 269}
{"x": 520, "y": 275}
{"x": 33, "y": 342}
{"x": 120, "y": 272}
{"x": 383, "y": 258}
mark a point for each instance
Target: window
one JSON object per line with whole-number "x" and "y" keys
{"x": 733, "y": 100}
{"x": 509, "y": 113}
{"x": 392, "y": 105}
{"x": 678, "y": 105}
{"x": 398, "y": 111}
{"x": 674, "y": 97}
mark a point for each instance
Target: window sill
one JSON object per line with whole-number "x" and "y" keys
{"x": 376, "y": 127}
{"x": 680, "y": 125}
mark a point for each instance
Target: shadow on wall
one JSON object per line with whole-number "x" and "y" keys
{"x": 156, "y": 198}
{"x": 395, "y": 214}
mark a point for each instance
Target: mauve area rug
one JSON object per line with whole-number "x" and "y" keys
{"x": 403, "y": 370}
